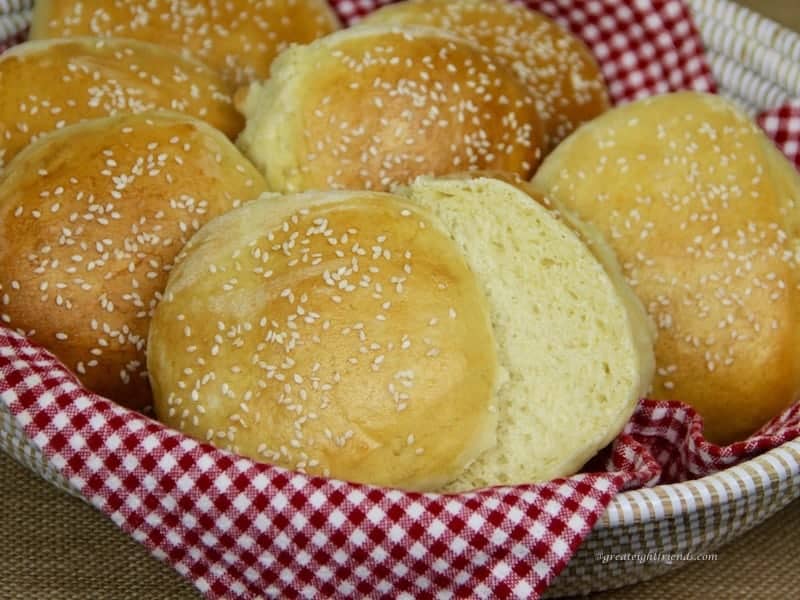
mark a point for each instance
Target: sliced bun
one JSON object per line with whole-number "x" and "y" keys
{"x": 558, "y": 68}
{"x": 49, "y": 84}
{"x": 372, "y": 107}
{"x": 91, "y": 218}
{"x": 340, "y": 334}
{"x": 701, "y": 210}
{"x": 575, "y": 343}
{"x": 238, "y": 38}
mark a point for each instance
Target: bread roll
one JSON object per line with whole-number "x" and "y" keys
{"x": 238, "y": 38}
{"x": 91, "y": 218}
{"x": 576, "y": 345}
{"x": 558, "y": 68}
{"x": 47, "y": 85}
{"x": 337, "y": 333}
{"x": 372, "y": 107}
{"x": 700, "y": 208}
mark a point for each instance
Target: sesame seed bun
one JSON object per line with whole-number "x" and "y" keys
{"x": 372, "y": 107}
{"x": 238, "y": 38}
{"x": 332, "y": 333}
{"x": 558, "y": 68}
{"x": 700, "y": 208}
{"x": 336, "y": 333}
{"x": 91, "y": 218}
{"x": 50, "y": 84}
{"x": 575, "y": 344}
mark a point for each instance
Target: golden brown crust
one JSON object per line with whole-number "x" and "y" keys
{"x": 688, "y": 193}
{"x": 336, "y": 333}
{"x": 238, "y": 38}
{"x": 50, "y": 84}
{"x": 557, "y": 67}
{"x": 372, "y": 107}
{"x": 91, "y": 218}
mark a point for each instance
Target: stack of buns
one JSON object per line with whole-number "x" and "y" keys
{"x": 102, "y": 181}
{"x": 404, "y": 274}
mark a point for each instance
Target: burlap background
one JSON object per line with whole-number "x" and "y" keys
{"x": 55, "y": 547}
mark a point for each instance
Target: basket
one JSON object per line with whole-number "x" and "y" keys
{"x": 757, "y": 64}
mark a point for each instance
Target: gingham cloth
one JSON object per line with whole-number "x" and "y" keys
{"x": 240, "y": 529}
{"x": 782, "y": 124}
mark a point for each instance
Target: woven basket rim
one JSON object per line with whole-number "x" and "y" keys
{"x": 760, "y": 29}
{"x": 756, "y": 60}
{"x": 731, "y": 478}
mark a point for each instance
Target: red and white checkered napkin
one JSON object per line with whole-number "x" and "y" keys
{"x": 782, "y": 124}
{"x": 240, "y": 529}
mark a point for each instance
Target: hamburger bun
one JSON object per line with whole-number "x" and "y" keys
{"x": 50, "y": 84}
{"x": 558, "y": 68}
{"x": 575, "y": 343}
{"x": 91, "y": 218}
{"x": 372, "y": 107}
{"x": 335, "y": 333}
{"x": 487, "y": 347}
{"x": 701, "y": 210}
{"x": 237, "y": 38}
